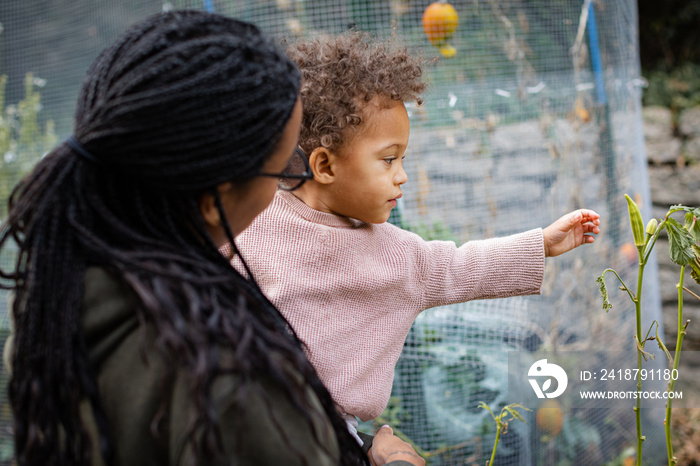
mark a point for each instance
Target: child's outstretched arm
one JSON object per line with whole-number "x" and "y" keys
{"x": 570, "y": 231}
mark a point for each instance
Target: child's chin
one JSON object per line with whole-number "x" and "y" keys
{"x": 375, "y": 217}
{"x": 379, "y": 220}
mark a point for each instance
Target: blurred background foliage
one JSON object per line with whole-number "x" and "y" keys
{"x": 669, "y": 33}
{"x": 669, "y": 42}
{"x": 21, "y": 134}
{"x": 44, "y": 22}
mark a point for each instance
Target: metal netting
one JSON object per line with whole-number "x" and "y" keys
{"x": 538, "y": 113}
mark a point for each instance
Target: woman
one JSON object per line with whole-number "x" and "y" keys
{"x": 136, "y": 342}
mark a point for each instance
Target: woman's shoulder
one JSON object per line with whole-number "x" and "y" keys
{"x": 102, "y": 285}
{"x": 105, "y": 297}
{"x": 275, "y": 432}
{"x": 269, "y": 429}
{"x": 108, "y": 312}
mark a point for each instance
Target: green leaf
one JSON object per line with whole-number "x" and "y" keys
{"x": 695, "y": 275}
{"x": 677, "y": 207}
{"x": 485, "y": 406}
{"x": 692, "y": 225}
{"x": 519, "y": 406}
{"x": 695, "y": 264}
{"x": 679, "y": 243}
{"x": 604, "y": 292}
{"x": 516, "y": 415}
{"x": 512, "y": 410}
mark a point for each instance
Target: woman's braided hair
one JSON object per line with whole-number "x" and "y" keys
{"x": 182, "y": 102}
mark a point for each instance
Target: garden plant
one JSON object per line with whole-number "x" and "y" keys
{"x": 502, "y": 421}
{"x": 684, "y": 250}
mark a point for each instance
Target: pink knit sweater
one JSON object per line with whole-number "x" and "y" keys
{"x": 351, "y": 290}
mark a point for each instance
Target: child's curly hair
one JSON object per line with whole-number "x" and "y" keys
{"x": 340, "y": 74}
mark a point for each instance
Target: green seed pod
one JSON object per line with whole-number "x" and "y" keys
{"x": 636, "y": 222}
{"x": 651, "y": 226}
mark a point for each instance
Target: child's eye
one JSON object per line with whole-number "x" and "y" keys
{"x": 389, "y": 160}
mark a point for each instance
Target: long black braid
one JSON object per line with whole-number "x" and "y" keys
{"x": 182, "y": 102}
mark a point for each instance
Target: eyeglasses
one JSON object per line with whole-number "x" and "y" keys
{"x": 295, "y": 174}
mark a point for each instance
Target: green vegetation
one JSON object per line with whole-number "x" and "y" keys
{"x": 684, "y": 250}
{"x": 678, "y": 89}
{"x": 23, "y": 141}
{"x": 502, "y": 421}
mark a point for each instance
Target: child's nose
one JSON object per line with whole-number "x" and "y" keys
{"x": 401, "y": 177}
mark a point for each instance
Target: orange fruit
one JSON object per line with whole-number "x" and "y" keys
{"x": 439, "y": 22}
{"x": 550, "y": 418}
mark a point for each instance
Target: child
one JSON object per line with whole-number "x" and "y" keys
{"x": 350, "y": 284}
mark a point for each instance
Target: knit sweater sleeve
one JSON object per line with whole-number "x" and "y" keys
{"x": 482, "y": 269}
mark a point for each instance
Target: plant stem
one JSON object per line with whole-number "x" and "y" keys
{"x": 676, "y": 361}
{"x": 624, "y": 286}
{"x": 499, "y": 425}
{"x": 638, "y": 315}
{"x": 652, "y": 242}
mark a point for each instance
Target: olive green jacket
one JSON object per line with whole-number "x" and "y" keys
{"x": 130, "y": 382}
{"x": 131, "y": 392}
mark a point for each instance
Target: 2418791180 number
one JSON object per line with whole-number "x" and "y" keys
{"x": 644, "y": 374}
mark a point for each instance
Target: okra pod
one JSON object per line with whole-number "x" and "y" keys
{"x": 636, "y": 222}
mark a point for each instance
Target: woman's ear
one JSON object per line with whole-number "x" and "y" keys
{"x": 321, "y": 162}
{"x": 207, "y": 205}
{"x": 210, "y": 214}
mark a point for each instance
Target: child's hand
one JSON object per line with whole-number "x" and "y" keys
{"x": 386, "y": 447}
{"x": 570, "y": 231}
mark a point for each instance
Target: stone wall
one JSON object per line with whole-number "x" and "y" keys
{"x": 673, "y": 151}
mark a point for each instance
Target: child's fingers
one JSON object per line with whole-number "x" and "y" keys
{"x": 590, "y": 228}
{"x": 575, "y": 217}
{"x": 590, "y": 216}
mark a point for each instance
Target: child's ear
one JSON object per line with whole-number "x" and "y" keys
{"x": 321, "y": 163}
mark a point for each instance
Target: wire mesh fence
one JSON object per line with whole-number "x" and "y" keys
{"x": 537, "y": 113}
